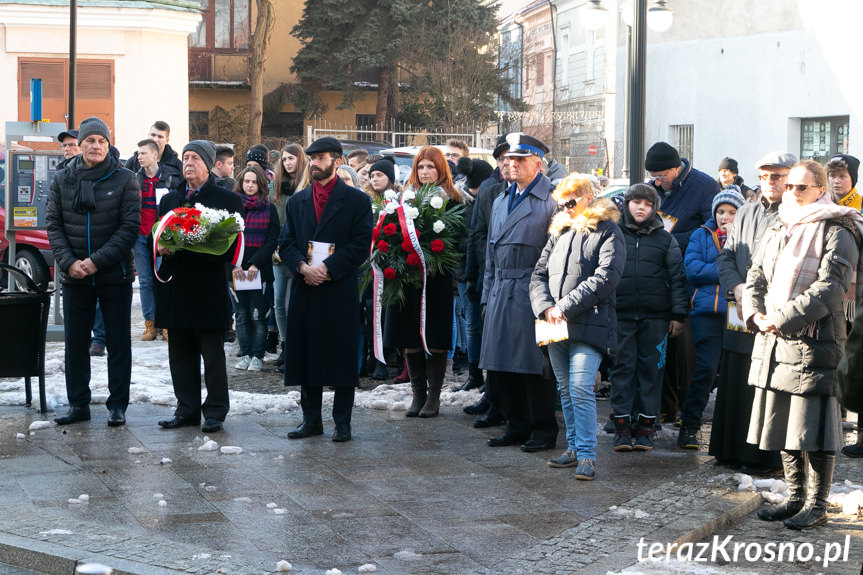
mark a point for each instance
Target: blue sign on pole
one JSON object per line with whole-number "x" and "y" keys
{"x": 36, "y": 99}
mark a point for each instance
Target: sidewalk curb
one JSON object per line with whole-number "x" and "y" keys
{"x": 53, "y": 559}
{"x": 749, "y": 502}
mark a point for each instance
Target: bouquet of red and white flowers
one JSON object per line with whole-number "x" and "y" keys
{"x": 199, "y": 229}
{"x": 415, "y": 237}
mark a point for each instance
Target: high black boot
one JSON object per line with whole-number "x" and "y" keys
{"x": 416, "y": 366}
{"x": 436, "y": 367}
{"x": 272, "y": 341}
{"x": 794, "y": 465}
{"x": 814, "y": 512}
{"x": 281, "y": 359}
{"x": 474, "y": 379}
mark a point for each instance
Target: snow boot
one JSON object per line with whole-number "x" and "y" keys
{"x": 622, "y": 432}
{"x": 149, "y": 331}
{"x": 415, "y": 364}
{"x": 281, "y": 359}
{"x": 437, "y": 365}
{"x": 814, "y": 512}
{"x": 793, "y": 463}
{"x": 643, "y": 433}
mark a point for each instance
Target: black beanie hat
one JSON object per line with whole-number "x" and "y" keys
{"x": 387, "y": 167}
{"x": 852, "y": 165}
{"x": 258, "y": 154}
{"x": 477, "y": 171}
{"x": 660, "y": 157}
{"x": 729, "y": 164}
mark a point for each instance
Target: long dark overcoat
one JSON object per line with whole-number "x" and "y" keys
{"x": 196, "y": 297}
{"x": 515, "y": 242}
{"x": 322, "y": 338}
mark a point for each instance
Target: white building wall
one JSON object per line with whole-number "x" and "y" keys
{"x": 744, "y": 88}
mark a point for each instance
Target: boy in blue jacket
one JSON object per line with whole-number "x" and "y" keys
{"x": 651, "y": 306}
{"x": 708, "y": 315}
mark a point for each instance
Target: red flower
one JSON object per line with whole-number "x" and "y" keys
{"x": 390, "y": 229}
{"x": 437, "y": 246}
{"x": 383, "y": 246}
{"x": 413, "y": 260}
{"x": 389, "y": 273}
{"x": 408, "y": 246}
{"x": 375, "y": 233}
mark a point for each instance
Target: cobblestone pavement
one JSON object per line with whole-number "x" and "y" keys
{"x": 409, "y": 496}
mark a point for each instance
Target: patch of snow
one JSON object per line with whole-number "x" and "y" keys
{"x": 333, "y": 572}
{"x": 278, "y": 511}
{"x": 407, "y": 555}
{"x": 368, "y": 568}
{"x": 165, "y": 461}
{"x": 283, "y": 566}
{"x": 37, "y": 425}
{"x": 230, "y": 450}
{"x": 57, "y": 532}
{"x": 163, "y": 503}
{"x": 209, "y": 446}
{"x": 84, "y": 497}
{"x": 271, "y": 505}
{"x": 242, "y": 500}
{"x": 200, "y": 556}
{"x": 20, "y": 436}
{"x": 158, "y": 496}
{"x": 136, "y": 450}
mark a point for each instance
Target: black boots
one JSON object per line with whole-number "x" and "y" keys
{"x": 794, "y": 466}
{"x": 474, "y": 379}
{"x": 622, "y": 432}
{"x": 814, "y": 512}
{"x": 479, "y": 407}
{"x": 280, "y": 361}
{"x": 644, "y": 432}
{"x": 436, "y": 370}
{"x": 272, "y": 341}
{"x": 416, "y": 367}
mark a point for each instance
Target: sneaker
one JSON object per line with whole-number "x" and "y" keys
{"x": 566, "y": 459}
{"x": 244, "y": 362}
{"x": 688, "y": 437}
{"x": 585, "y": 470}
{"x": 255, "y": 364}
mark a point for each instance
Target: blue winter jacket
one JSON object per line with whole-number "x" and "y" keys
{"x": 702, "y": 273}
{"x": 689, "y": 202}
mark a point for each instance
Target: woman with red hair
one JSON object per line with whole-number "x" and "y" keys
{"x": 403, "y": 326}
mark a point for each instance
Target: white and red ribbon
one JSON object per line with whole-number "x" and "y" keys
{"x": 409, "y": 233}
{"x": 163, "y": 223}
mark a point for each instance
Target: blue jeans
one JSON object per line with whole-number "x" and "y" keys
{"x": 280, "y": 292}
{"x": 707, "y": 333}
{"x": 253, "y": 312}
{"x": 575, "y": 366}
{"x": 144, "y": 269}
{"x": 98, "y": 327}
{"x": 474, "y": 323}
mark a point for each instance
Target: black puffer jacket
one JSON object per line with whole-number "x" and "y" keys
{"x": 653, "y": 285}
{"x": 578, "y": 272}
{"x": 170, "y": 163}
{"x": 105, "y": 233}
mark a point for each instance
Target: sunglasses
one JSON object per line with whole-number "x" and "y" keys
{"x": 772, "y": 177}
{"x": 569, "y": 204}
{"x": 799, "y": 187}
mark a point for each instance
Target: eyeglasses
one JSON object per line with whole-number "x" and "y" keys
{"x": 799, "y": 187}
{"x": 570, "y": 204}
{"x": 452, "y": 155}
{"x": 772, "y": 177}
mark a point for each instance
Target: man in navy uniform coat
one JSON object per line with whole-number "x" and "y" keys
{"x": 323, "y": 331}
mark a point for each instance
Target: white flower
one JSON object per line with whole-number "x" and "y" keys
{"x": 438, "y": 226}
{"x": 389, "y": 195}
{"x": 412, "y": 213}
{"x": 390, "y": 208}
{"x": 436, "y": 202}
{"x": 408, "y": 195}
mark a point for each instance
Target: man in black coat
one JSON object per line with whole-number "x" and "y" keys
{"x": 323, "y": 320}
{"x": 160, "y": 132}
{"x": 94, "y": 211}
{"x": 194, "y": 304}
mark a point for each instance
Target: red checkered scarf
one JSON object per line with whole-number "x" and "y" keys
{"x": 798, "y": 263}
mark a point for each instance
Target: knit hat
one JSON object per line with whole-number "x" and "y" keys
{"x": 660, "y": 157}
{"x": 205, "y": 149}
{"x": 352, "y": 174}
{"x": 258, "y": 154}
{"x": 387, "y": 167}
{"x": 852, "y": 164}
{"x": 93, "y": 125}
{"x": 730, "y": 195}
{"x": 642, "y": 192}
{"x": 729, "y": 164}
{"x": 477, "y": 171}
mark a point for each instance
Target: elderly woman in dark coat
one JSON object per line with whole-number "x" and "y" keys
{"x": 800, "y": 291}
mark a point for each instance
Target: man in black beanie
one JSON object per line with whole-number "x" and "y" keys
{"x": 729, "y": 175}
{"x": 842, "y": 180}
{"x": 93, "y": 215}
{"x": 686, "y": 202}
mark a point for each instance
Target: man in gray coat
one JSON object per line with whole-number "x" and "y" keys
{"x": 734, "y": 397}
{"x": 517, "y": 234}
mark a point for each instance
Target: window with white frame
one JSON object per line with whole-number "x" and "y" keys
{"x": 682, "y": 138}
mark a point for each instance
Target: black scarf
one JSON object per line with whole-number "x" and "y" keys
{"x": 79, "y": 180}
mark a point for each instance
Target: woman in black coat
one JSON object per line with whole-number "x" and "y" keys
{"x": 252, "y": 306}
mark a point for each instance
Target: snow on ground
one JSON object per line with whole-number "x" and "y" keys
{"x": 846, "y": 496}
{"x": 151, "y": 382}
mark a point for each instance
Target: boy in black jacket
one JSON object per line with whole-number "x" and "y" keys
{"x": 651, "y": 306}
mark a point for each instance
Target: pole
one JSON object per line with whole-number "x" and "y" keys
{"x": 637, "y": 89}
{"x": 73, "y": 58}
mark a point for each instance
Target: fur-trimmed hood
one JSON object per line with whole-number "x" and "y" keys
{"x": 601, "y": 210}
